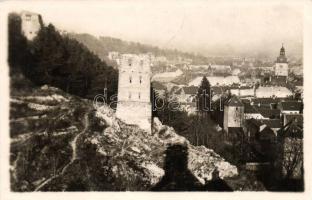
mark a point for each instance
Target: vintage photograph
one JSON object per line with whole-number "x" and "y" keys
{"x": 156, "y": 96}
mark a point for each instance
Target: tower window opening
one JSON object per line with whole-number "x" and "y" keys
{"x": 129, "y": 95}
{"x": 28, "y": 17}
{"x": 130, "y": 62}
{"x": 140, "y": 79}
{"x": 139, "y": 95}
{"x": 141, "y": 65}
{"x": 130, "y": 79}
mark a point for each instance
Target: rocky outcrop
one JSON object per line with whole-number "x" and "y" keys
{"x": 201, "y": 162}
{"x": 62, "y": 143}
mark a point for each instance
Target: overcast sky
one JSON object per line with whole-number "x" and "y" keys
{"x": 207, "y": 27}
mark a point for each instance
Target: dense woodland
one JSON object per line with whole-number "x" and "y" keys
{"x": 59, "y": 61}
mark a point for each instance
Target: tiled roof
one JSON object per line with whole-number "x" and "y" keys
{"x": 158, "y": 86}
{"x": 267, "y": 133}
{"x": 270, "y": 91}
{"x": 262, "y": 106}
{"x": 265, "y": 100}
{"x": 240, "y": 87}
{"x": 178, "y": 91}
{"x": 298, "y": 118}
{"x": 272, "y": 123}
{"x": 234, "y": 101}
{"x": 174, "y": 89}
{"x": 292, "y": 129}
{"x": 236, "y": 130}
{"x": 217, "y": 90}
{"x": 190, "y": 90}
{"x": 278, "y": 81}
{"x": 291, "y": 105}
{"x": 181, "y": 80}
{"x": 245, "y": 100}
{"x": 216, "y": 80}
{"x": 269, "y": 113}
{"x": 254, "y": 122}
{"x": 298, "y": 82}
{"x": 167, "y": 76}
{"x": 249, "y": 108}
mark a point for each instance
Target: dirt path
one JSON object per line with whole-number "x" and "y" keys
{"x": 73, "y": 144}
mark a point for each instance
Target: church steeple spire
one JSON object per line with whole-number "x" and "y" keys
{"x": 281, "y": 65}
{"x": 282, "y": 57}
{"x": 282, "y": 51}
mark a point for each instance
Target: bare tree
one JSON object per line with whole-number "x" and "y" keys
{"x": 292, "y": 160}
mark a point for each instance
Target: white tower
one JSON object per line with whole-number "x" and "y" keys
{"x": 281, "y": 65}
{"x": 31, "y": 24}
{"x": 233, "y": 113}
{"x": 134, "y": 104}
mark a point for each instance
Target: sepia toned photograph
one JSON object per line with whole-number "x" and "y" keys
{"x": 115, "y": 96}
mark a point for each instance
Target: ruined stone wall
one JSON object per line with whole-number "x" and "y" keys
{"x": 31, "y": 24}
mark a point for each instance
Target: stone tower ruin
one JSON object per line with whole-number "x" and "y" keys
{"x": 134, "y": 101}
{"x": 31, "y": 24}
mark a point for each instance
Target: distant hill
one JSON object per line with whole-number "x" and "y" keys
{"x": 102, "y": 45}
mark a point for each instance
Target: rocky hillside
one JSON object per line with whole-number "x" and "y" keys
{"x": 62, "y": 143}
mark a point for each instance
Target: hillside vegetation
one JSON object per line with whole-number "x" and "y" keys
{"x": 59, "y": 61}
{"x": 62, "y": 142}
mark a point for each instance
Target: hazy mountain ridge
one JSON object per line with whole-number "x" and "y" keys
{"x": 102, "y": 45}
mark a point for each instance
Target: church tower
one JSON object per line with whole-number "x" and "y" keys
{"x": 134, "y": 103}
{"x": 281, "y": 64}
